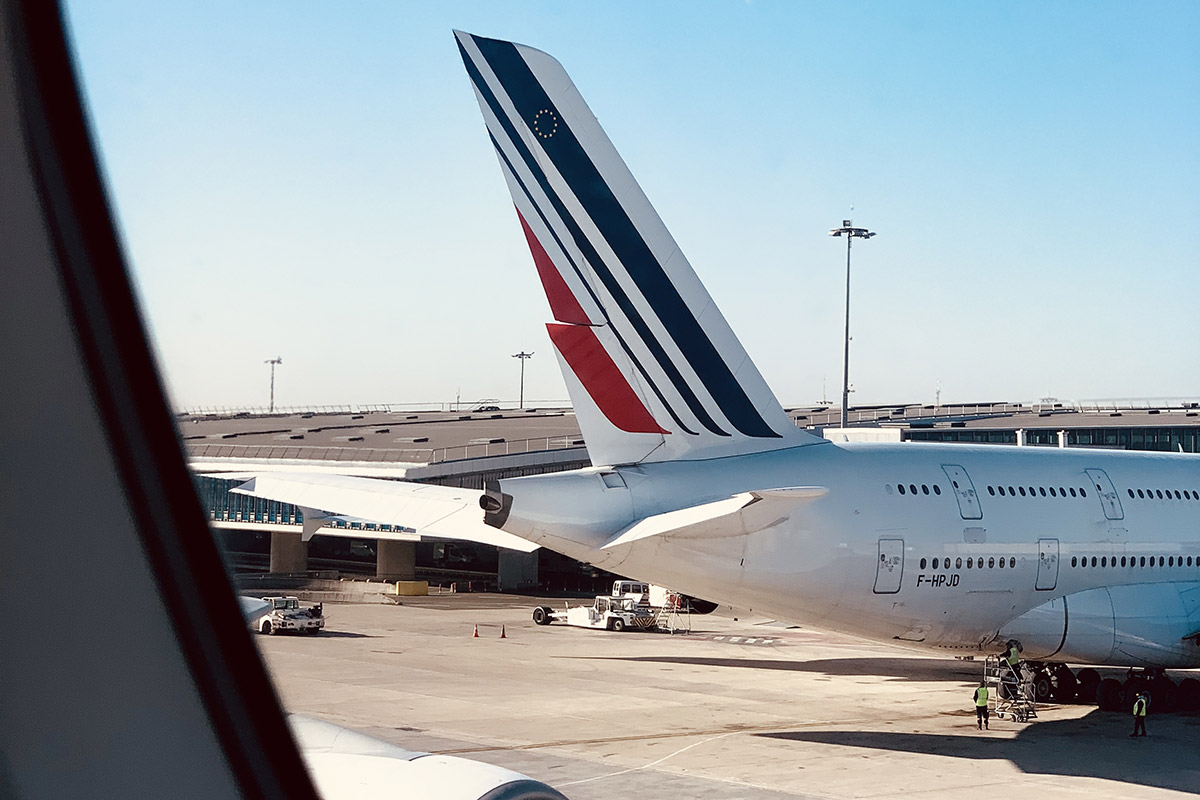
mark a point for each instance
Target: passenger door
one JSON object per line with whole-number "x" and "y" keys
{"x": 889, "y": 567}
{"x": 1047, "y": 574}
{"x": 964, "y": 491}
{"x": 1107, "y": 493}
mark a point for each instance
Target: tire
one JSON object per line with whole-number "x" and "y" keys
{"x": 1089, "y": 683}
{"x": 1164, "y": 695}
{"x": 1064, "y": 685}
{"x": 617, "y": 624}
{"x": 1189, "y": 694}
{"x": 1133, "y": 687}
{"x": 541, "y": 615}
{"x": 1110, "y": 696}
{"x": 266, "y": 627}
{"x": 1042, "y": 687}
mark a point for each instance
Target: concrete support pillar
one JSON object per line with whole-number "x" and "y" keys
{"x": 289, "y": 553}
{"x": 517, "y": 570}
{"x": 1062, "y": 438}
{"x": 1020, "y": 437}
{"x": 396, "y": 561}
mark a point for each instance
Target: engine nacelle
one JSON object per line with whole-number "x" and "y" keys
{"x": 347, "y": 765}
{"x": 1141, "y": 625}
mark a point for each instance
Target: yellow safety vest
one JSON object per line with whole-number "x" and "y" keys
{"x": 981, "y": 696}
{"x": 1139, "y": 708}
{"x": 1013, "y": 656}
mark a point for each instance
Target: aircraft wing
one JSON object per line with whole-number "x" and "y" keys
{"x": 738, "y": 515}
{"x": 443, "y": 512}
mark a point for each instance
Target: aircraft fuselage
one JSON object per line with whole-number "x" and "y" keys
{"x": 949, "y": 547}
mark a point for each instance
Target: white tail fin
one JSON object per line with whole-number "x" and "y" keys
{"x": 654, "y": 371}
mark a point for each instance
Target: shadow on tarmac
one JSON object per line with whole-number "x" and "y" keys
{"x": 1096, "y": 746}
{"x": 328, "y": 634}
{"x": 901, "y": 669}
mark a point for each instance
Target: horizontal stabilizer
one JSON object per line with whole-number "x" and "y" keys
{"x": 739, "y": 515}
{"x": 443, "y": 512}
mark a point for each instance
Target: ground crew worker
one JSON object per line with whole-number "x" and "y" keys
{"x": 1139, "y": 715}
{"x": 1012, "y": 656}
{"x": 981, "y": 706}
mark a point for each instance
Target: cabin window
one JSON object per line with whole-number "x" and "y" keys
{"x": 992, "y": 491}
{"x": 1052, "y": 492}
{"x": 1104, "y": 561}
{"x": 971, "y": 562}
{"x": 937, "y": 489}
{"x": 991, "y": 563}
{"x": 1122, "y": 561}
{"x": 1021, "y": 489}
{"x": 1072, "y": 491}
{"x": 900, "y": 486}
{"x": 1042, "y": 489}
{"x": 922, "y": 563}
{"x": 1140, "y": 495}
{"x": 924, "y": 489}
{"x": 1082, "y": 492}
{"x": 1093, "y": 561}
{"x": 1130, "y": 492}
{"x": 958, "y": 563}
{"x": 912, "y": 487}
{"x": 1161, "y": 560}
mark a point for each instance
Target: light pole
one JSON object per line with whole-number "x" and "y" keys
{"x": 273, "y": 362}
{"x": 851, "y": 233}
{"x": 523, "y": 356}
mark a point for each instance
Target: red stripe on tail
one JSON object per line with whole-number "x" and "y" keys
{"x": 602, "y": 379}
{"x": 563, "y": 304}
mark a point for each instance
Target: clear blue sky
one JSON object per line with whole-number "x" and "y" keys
{"x": 314, "y": 181}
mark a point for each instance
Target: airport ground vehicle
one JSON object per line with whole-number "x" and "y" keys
{"x": 286, "y": 614}
{"x": 607, "y": 613}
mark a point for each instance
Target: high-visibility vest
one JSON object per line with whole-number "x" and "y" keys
{"x": 1013, "y": 656}
{"x": 1139, "y": 708}
{"x": 981, "y": 696}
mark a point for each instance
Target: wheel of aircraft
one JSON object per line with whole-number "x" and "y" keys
{"x": 1189, "y": 694}
{"x": 1111, "y": 695}
{"x": 1164, "y": 694}
{"x": 1042, "y": 687}
{"x": 1089, "y": 684}
{"x": 1134, "y": 686}
{"x": 1064, "y": 684}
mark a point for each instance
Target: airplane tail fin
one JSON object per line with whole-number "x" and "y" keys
{"x": 654, "y": 371}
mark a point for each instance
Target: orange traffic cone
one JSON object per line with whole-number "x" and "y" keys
{"x": 476, "y": 634}
{"x": 502, "y": 636}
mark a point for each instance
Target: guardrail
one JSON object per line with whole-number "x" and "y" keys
{"x": 385, "y": 455}
{"x": 368, "y": 408}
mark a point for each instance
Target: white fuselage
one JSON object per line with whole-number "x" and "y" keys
{"x": 871, "y": 559}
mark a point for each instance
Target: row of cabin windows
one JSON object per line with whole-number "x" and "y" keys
{"x": 1166, "y": 494}
{"x": 1044, "y": 491}
{"x": 971, "y": 563}
{"x": 1133, "y": 561}
{"x": 912, "y": 489}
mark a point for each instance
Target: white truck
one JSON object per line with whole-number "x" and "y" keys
{"x": 605, "y": 613}
{"x": 286, "y": 614}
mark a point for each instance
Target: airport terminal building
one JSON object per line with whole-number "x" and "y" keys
{"x": 467, "y": 448}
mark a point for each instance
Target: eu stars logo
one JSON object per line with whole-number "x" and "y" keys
{"x": 545, "y": 123}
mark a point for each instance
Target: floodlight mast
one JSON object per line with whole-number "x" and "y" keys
{"x": 522, "y": 355}
{"x": 273, "y": 362}
{"x": 851, "y": 233}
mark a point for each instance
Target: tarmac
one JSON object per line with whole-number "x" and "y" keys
{"x": 738, "y": 708}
